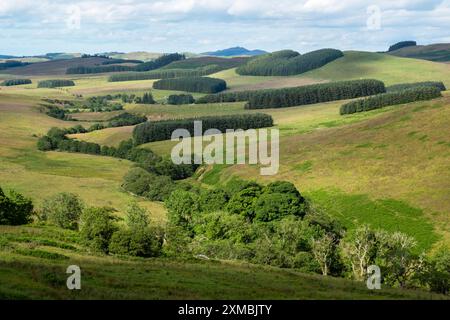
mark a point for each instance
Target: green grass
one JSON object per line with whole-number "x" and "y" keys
{"x": 40, "y": 273}
{"x": 384, "y": 67}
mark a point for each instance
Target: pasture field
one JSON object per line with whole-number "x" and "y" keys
{"x": 389, "y": 168}
{"x": 34, "y": 259}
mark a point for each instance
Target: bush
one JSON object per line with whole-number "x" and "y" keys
{"x": 402, "y": 44}
{"x": 289, "y": 97}
{"x": 178, "y": 99}
{"x": 63, "y": 209}
{"x": 45, "y": 144}
{"x": 55, "y": 83}
{"x": 162, "y": 130}
{"x": 126, "y": 119}
{"x": 182, "y": 206}
{"x": 195, "y": 84}
{"x": 138, "y": 243}
{"x": 97, "y": 225}
{"x": 389, "y": 99}
{"x": 148, "y": 185}
{"x": 15, "y": 209}
{"x": 399, "y": 87}
{"x": 287, "y": 62}
{"x": 15, "y": 82}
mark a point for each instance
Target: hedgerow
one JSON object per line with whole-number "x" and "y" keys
{"x": 389, "y": 99}
{"x": 55, "y": 83}
{"x": 195, "y": 84}
{"x": 15, "y": 82}
{"x": 162, "y": 130}
{"x": 287, "y": 62}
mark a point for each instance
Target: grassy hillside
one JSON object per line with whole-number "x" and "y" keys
{"x": 435, "y": 52}
{"x": 33, "y": 261}
{"x": 384, "y": 67}
{"x": 39, "y": 174}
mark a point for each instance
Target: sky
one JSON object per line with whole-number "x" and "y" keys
{"x": 30, "y": 27}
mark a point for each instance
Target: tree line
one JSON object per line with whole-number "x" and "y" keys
{"x": 56, "y": 139}
{"x": 144, "y": 66}
{"x": 391, "y": 98}
{"x": 398, "y": 87}
{"x": 288, "y": 97}
{"x": 162, "y": 130}
{"x": 12, "y": 64}
{"x": 195, "y": 84}
{"x": 55, "y": 83}
{"x": 288, "y": 62}
{"x": 402, "y": 44}
{"x": 15, "y": 82}
{"x": 164, "y": 74}
{"x": 177, "y": 99}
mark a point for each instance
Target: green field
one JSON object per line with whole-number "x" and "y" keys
{"x": 389, "y": 168}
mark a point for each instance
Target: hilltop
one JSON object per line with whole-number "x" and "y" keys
{"x": 235, "y": 51}
{"x": 439, "y": 52}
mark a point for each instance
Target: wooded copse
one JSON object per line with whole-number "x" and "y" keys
{"x": 195, "y": 84}
{"x": 162, "y": 130}
{"x": 288, "y": 62}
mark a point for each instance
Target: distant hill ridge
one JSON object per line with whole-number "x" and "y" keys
{"x": 235, "y": 51}
{"x": 439, "y": 52}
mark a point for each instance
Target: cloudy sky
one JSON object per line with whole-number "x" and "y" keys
{"x": 30, "y": 27}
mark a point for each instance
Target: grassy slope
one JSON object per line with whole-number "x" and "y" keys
{"x": 35, "y": 277}
{"x": 38, "y": 174}
{"x": 435, "y": 52}
{"x": 390, "y": 69}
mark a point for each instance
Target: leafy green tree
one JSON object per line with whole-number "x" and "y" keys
{"x": 213, "y": 200}
{"x": 136, "y": 217}
{"x": 135, "y": 242}
{"x": 63, "y": 209}
{"x": 45, "y": 144}
{"x": 15, "y": 209}
{"x": 182, "y": 206}
{"x": 243, "y": 202}
{"x": 437, "y": 275}
{"x": 97, "y": 225}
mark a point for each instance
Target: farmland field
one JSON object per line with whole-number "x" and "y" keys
{"x": 387, "y": 168}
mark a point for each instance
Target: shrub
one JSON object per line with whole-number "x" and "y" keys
{"x": 138, "y": 243}
{"x": 389, "y": 99}
{"x": 162, "y": 130}
{"x": 63, "y": 209}
{"x": 180, "y": 99}
{"x": 399, "y": 87}
{"x": 402, "y": 44}
{"x": 287, "y": 62}
{"x": 45, "y": 144}
{"x": 15, "y": 82}
{"x": 142, "y": 183}
{"x": 55, "y": 83}
{"x": 97, "y": 225}
{"x": 195, "y": 84}
{"x": 15, "y": 209}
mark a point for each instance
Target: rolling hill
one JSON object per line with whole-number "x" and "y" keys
{"x": 434, "y": 52}
{"x": 56, "y": 67}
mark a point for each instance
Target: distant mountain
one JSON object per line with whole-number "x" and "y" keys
{"x": 6, "y": 57}
{"x": 233, "y": 52}
{"x": 439, "y": 52}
